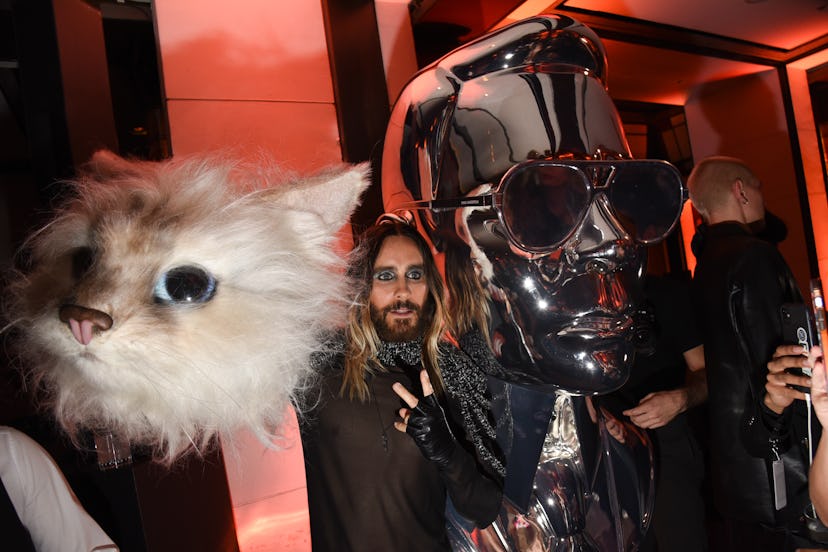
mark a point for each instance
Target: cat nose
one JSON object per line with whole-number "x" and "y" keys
{"x": 84, "y": 321}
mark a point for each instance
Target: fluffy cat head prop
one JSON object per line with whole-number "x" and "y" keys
{"x": 172, "y": 302}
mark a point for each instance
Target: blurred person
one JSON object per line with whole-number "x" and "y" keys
{"x": 39, "y": 510}
{"x": 818, "y": 478}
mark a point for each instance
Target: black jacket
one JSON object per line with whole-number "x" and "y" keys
{"x": 739, "y": 284}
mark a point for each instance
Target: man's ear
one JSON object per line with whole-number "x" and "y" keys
{"x": 738, "y": 191}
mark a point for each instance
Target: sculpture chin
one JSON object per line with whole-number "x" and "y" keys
{"x": 580, "y": 363}
{"x": 598, "y": 327}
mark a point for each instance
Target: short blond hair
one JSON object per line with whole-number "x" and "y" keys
{"x": 710, "y": 181}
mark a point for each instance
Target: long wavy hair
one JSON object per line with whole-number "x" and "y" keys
{"x": 362, "y": 343}
{"x": 468, "y": 306}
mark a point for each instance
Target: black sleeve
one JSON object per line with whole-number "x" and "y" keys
{"x": 675, "y": 308}
{"x": 763, "y": 283}
{"x": 475, "y": 494}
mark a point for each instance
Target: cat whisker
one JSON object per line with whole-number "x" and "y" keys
{"x": 11, "y": 325}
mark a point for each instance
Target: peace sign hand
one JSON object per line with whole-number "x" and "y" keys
{"x": 425, "y": 421}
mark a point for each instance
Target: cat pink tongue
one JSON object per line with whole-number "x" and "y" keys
{"x": 81, "y": 330}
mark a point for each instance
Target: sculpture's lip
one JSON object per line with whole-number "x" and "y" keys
{"x": 596, "y": 326}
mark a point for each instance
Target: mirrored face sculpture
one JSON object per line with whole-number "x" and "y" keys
{"x": 511, "y": 150}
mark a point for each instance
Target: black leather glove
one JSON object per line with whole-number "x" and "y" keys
{"x": 476, "y": 496}
{"x": 428, "y": 426}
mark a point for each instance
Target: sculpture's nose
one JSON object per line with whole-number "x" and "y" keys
{"x": 601, "y": 244}
{"x": 84, "y": 322}
{"x": 600, "y": 226}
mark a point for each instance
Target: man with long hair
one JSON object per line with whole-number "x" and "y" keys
{"x": 401, "y": 419}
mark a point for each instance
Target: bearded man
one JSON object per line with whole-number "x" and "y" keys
{"x": 381, "y": 460}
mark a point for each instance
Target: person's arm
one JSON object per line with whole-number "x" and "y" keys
{"x": 818, "y": 476}
{"x": 660, "y": 408}
{"x": 696, "y": 383}
{"x": 43, "y": 500}
{"x": 474, "y": 494}
{"x": 770, "y": 432}
{"x": 762, "y": 284}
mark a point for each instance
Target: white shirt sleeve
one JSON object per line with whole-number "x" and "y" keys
{"x": 43, "y": 500}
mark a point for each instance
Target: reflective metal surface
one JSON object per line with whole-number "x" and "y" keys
{"x": 532, "y": 90}
{"x": 564, "y": 320}
{"x": 578, "y": 479}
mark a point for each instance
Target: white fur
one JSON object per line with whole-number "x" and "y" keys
{"x": 169, "y": 377}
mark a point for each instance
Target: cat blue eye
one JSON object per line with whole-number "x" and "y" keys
{"x": 185, "y": 284}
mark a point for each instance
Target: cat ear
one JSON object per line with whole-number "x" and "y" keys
{"x": 332, "y": 196}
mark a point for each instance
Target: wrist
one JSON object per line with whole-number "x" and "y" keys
{"x": 684, "y": 399}
{"x": 772, "y": 406}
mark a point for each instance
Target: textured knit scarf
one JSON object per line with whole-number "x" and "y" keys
{"x": 464, "y": 378}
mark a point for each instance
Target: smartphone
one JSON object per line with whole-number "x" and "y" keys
{"x": 798, "y": 328}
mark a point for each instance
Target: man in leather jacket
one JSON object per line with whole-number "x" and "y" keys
{"x": 740, "y": 282}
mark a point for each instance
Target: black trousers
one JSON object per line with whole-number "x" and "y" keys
{"x": 678, "y": 523}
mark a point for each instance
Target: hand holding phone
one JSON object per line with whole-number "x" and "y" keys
{"x": 785, "y": 380}
{"x": 798, "y": 328}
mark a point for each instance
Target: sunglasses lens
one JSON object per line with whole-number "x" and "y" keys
{"x": 647, "y": 198}
{"x": 542, "y": 204}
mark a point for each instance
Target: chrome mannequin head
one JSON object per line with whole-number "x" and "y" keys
{"x": 509, "y": 150}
